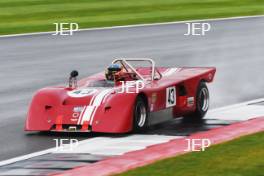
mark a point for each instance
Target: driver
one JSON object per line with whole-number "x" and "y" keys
{"x": 115, "y": 72}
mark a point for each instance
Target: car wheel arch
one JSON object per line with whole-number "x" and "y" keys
{"x": 145, "y": 98}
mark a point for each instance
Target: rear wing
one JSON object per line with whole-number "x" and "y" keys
{"x": 208, "y": 76}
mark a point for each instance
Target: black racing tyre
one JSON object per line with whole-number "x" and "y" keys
{"x": 140, "y": 121}
{"x": 202, "y": 103}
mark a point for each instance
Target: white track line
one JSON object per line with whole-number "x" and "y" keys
{"x": 87, "y": 146}
{"x": 102, "y": 145}
{"x": 136, "y": 25}
{"x": 119, "y": 146}
{"x": 238, "y": 112}
{"x": 25, "y": 157}
{"x": 35, "y": 154}
{"x": 237, "y": 105}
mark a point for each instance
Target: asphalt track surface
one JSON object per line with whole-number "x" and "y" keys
{"x": 28, "y": 63}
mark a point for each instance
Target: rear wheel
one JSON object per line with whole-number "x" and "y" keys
{"x": 140, "y": 115}
{"x": 202, "y": 103}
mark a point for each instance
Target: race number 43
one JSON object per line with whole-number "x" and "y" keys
{"x": 170, "y": 97}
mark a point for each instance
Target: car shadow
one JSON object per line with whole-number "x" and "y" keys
{"x": 174, "y": 127}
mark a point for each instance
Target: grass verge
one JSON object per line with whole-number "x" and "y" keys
{"x": 240, "y": 157}
{"x": 23, "y": 16}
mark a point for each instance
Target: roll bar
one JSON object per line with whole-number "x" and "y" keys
{"x": 153, "y": 68}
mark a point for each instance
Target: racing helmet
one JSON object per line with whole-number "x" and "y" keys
{"x": 112, "y": 71}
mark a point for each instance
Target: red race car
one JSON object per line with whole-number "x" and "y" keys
{"x": 129, "y": 96}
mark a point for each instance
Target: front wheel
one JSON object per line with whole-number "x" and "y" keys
{"x": 140, "y": 115}
{"x": 202, "y": 102}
